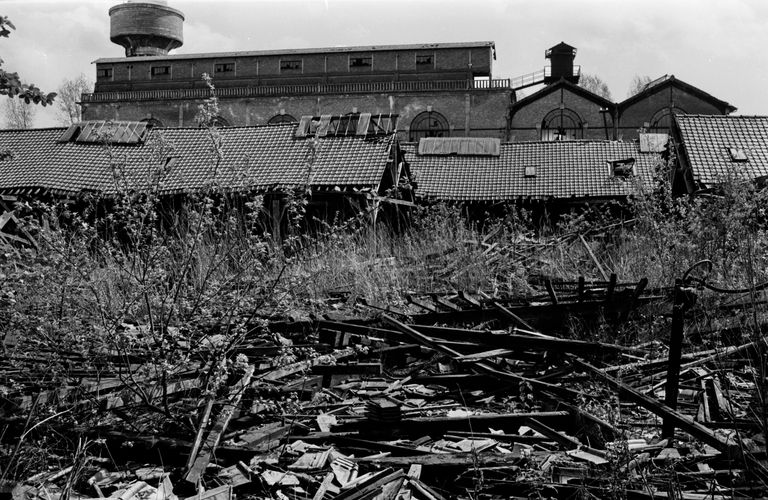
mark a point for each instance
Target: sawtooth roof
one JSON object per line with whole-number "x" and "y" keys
{"x": 261, "y": 158}
{"x": 708, "y": 139}
{"x": 564, "y": 170}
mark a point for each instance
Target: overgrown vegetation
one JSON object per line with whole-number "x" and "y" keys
{"x": 185, "y": 285}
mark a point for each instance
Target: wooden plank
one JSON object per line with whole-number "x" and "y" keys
{"x": 327, "y": 481}
{"x": 675, "y": 350}
{"x": 567, "y": 442}
{"x": 202, "y": 460}
{"x": 348, "y": 369}
{"x": 480, "y": 366}
{"x": 422, "y": 303}
{"x": 551, "y": 291}
{"x": 592, "y": 256}
{"x": 471, "y": 300}
{"x": 512, "y": 316}
{"x": 447, "y": 303}
{"x": 658, "y": 408}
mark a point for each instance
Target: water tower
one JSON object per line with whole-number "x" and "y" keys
{"x": 562, "y": 56}
{"x": 146, "y": 28}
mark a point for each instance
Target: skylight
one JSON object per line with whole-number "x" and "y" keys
{"x": 738, "y": 154}
{"x": 96, "y": 131}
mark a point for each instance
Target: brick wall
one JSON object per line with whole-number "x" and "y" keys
{"x": 448, "y": 63}
{"x": 484, "y": 112}
{"x": 634, "y": 116}
{"x": 527, "y": 118}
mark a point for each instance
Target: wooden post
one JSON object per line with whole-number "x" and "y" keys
{"x": 276, "y": 219}
{"x": 671, "y": 388}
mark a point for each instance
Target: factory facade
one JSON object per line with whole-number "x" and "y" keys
{"x": 431, "y": 90}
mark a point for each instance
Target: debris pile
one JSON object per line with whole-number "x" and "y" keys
{"x": 459, "y": 396}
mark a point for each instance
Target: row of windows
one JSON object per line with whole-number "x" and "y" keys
{"x": 357, "y": 62}
{"x": 557, "y": 125}
{"x": 286, "y": 66}
{"x": 565, "y": 124}
{"x": 426, "y": 124}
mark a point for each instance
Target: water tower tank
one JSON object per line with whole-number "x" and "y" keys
{"x": 146, "y": 28}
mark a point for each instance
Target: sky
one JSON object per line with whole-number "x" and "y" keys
{"x": 712, "y": 44}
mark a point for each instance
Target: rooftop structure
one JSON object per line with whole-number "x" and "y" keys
{"x": 146, "y": 28}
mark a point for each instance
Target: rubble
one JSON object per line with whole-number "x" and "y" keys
{"x": 454, "y": 396}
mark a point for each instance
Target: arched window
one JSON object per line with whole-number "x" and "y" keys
{"x": 153, "y": 122}
{"x": 277, "y": 119}
{"x": 661, "y": 121}
{"x": 428, "y": 124}
{"x": 562, "y": 125}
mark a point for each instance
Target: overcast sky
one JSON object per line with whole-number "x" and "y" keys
{"x": 715, "y": 45}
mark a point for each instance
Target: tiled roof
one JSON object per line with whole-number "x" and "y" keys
{"x": 670, "y": 80}
{"x": 707, "y": 140}
{"x": 259, "y": 158}
{"x": 563, "y": 170}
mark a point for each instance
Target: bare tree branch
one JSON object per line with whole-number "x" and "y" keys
{"x": 68, "y": 110}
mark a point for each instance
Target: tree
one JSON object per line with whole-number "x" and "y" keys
{"x": 595, "y": 84}
{"x": 10, "y": 83}
{"x": 68, "y": 110}
{"x": 19, "y": 114}
{"x": 638, "y": 84}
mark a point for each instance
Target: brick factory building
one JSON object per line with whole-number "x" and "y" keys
{"x": 435, "y": 90}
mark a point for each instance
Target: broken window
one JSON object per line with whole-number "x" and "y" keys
{"x": 100, "y": 131}
{"x": 360, "y": 62}
{"x": 738, "y": 154}
{"x": 160, "y": 70}
{"x": 530, "y": 171}
{"x": 104, "y": 73}
{"x": 622, "y": 168}
{"x": 425, "y": 60}
{"x": 290, "y": 64}
{"x": 562, "y": 125}
{"x": 428, "y": 124}
{"x": 224, "y": 68}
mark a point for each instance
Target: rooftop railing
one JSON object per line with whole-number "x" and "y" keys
{"x": 300, "y": 89}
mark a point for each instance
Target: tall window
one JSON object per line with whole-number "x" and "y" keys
{"x": 277, "y": 119}
{"x": 428, "y": 124}
{"x": 562, "y": 125}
